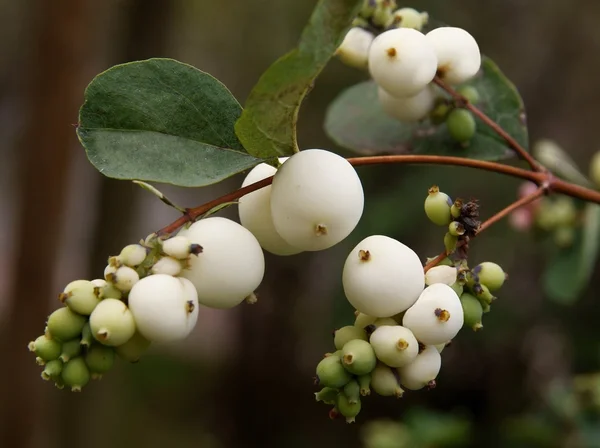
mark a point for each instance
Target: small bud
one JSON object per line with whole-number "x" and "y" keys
{"x": 450, "y": 242}
{"x": 81, "y": 296}
{"x": 358, "y": 357}
{"x": 331, "y": 373}
{"x": 395, "y": 346}
{"x": 64, "y": 324}
{"x": 133, "y": 349}
{"x": 347, "y": 408}
{"x": 384, "y": 381}
{"x": 99, "y": 358}
{"x": 347, "y": 334}
{"x": 75, "y": 374}
{"x": 352, "y": 391}
{"x": 124, "y": 278}
{"x": 133, "y": 255}
{"x": 327, "y": 395}
{"x": 52, "y": 369}
{"x": 437, "y": 207}
{"x": 456, "y": 228}
{"x": 472, "y": 311}
{"x": 45, "y": 348}
{"x": 490, "y": 274}
{"x": 112, "y": 322}
{"x": 70, "y": 349}
{"x": 441, "y": 274}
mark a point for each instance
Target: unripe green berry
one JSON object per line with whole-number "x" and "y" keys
{"x": 364, "y": 320}
{"x": 81, "y": 296}
{"x": 472, "y": 310}
{"x": 437, "y": 207}
{"x": 395, "y": 345}
{"x": 134, "y": 348}
{"x": 595, "y": 169}
{"x": 100, "y": 358}
{"x": 440, "y": 112}
{"x": 348, "y": 408}
{"x": 411, "y": 18}
{"x": 564, "y": 211}
{"x": 470, "y": 93}
{"x": 327, "y": 395}
{"x": 483, "y": 293}
{"x": 384, "y": 321}
{"x": 64, "y": 324}
{"x": 456, "y": 209}
{"x": 461, "y": 125}
{"x": 45, "y": 348}
{"x": 364, "y": 381}
{"x": 133, "y": 255}
{"x": 456, "y": 228}
{"x": 331, "y": 373}
{"x": 450, "y": 243}
{"x": 358, "y": 357}
{"x": 383, "y": 15}
{"x": 123, "y": 278}
{"x": 75, "y": 374}
{"x": 490, "y": 274}
{"x": 384, "y": 381}
{"x": 86, "y": 335}
{"x": 107, "y": 290}
{"x": 70, "y": 349}
{"x": 352, "y": 391}
{"x": 112, "y": 322}
{"x": 346, "y": 334}
{"x": 458, "y": 288}
{"x": 167, "y": 266}
{"x": 485, "y": 307}
{"x": 52, "y": 369}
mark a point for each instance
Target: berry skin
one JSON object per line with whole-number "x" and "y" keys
{"x": 457, "y": 52}
{"x": 180, "y": 247}
{"x": 255, "y": 212}
{"x": 123, "y": 277}
{"x": 231, "y": 265}
{"x": 450, "y": 243}
{"x": 81, "y": 296}
{"x": 470, "y": 93}
{"x": 133, "y": 349}
{"x": 472, "y": 311}
{"x": 436, "y": 316}
{"x": 354, "y": 49}
{"x": 46, "y": 348}
{"x": 133, "y": 255}
{"x": 441, "y": 274}
{"x": 364, "y": 320}
{"x": 352, "y": 391}
{"x": 86, "y": 336}
{"x": 348, "y": 408}
{"x": 167, "y": 266}
{"x": 422, "y": 371}
{"x": 490, "y": 274}
{"x": 364, "y": 381}
{"x": 461, "y": 125}
{"x": 395, "y": 345}
{"x": 402, "y": 61}
{"x": 408, "y": 109}
{"x": 164, "y": 308}
{"x": 411, "y": 18}
{"x": 347, "y": 334}
{"x": 384, "y": 382}
{"x": 64, "y": 324}
{"x": 107, "y": 290}
{"x": 99, "y": 358}
{"x": 331, "y": 373}
{"x": 437, "y": 207}
{"x": 70, "y": 349}
{"x": 52, "y": 369}
{"x": 112, "y": 322}
{"x": 358, "y": 357}
{"x": 382, "y": 277}
{"x": 327, "y": 395}
{"x": 75, "y": 374}
{"x": 595, "y": 169}
{"x": 317, "y": 199}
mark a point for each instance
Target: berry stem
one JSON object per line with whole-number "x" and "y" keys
{"x": 522, "y": 152}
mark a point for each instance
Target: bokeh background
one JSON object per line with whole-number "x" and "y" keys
{"x": 244, "y": 378}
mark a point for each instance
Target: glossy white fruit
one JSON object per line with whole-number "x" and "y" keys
{"x": 395, "y": 345}
{"x": 231, "y": 265}
{"x": 123, "y": 278}
{"x": 354, "y": 49}
{"x": 437, "y": 315}
{"x": 402, "y": 61}
{"x": 422, "y": 371}
{"x": 458, "y": 55}
{"x": 441, "y": 274}
{"x": 317, "y": 199}
{"x": 177, "y": 247}
{"x": 167, "y": 265}
{"x": 255, "y": 212}
{"x": 384, "y": 382}
{"x": 164, "y": 308}
{"x": 112, "y": 323}
{"x": 132, "y": 255}
{"x": 382, "y": 277}
{"x": 408, "y": 109}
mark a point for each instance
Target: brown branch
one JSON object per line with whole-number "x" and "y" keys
{"x": 516, "y": 146}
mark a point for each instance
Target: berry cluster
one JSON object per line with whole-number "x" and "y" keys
{"x": 405, "y": 317}
{"x": 403, "y": 62}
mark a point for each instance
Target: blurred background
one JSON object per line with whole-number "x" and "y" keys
{"x": 244, "y": 378}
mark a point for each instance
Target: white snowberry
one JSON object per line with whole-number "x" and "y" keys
{"x": 354, "y": 49}
{"x": 132, "y": 255}
{"x": 382, "y": 277}
{"x": 317, "y": 199}
{"x": 112, "y": 323}
{"x": 436, "y": 316}
{"x": 255, "y": 212}
{"x": 167, "y": 265}
{"x": 395, "y": 345}
{"x": 179, "y": 247}
{"x": 231, "y": 265}
{"x": 408, "y": 109}
{"x": 441, "y": 274}
{"x": 123, "y": 278}
{"x": 422, "y": 371}
{"x": 458, "y": 55}
{"x": 164, "y": 308}
{"x": 402, "y": 61}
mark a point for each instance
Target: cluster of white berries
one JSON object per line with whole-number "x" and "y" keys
{"x": 403, "y": 62}
{"x": 404, "y": 317}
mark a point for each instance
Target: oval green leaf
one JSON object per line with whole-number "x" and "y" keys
{"x": 356, "y": 121}
{"x": 163, "y": 121}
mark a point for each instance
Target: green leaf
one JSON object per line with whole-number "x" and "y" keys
{"x": 356, "y": 121}
{"x": 566, "y": 278}
{"x": 267, "y": 127}
{"x": 164, "y": 121}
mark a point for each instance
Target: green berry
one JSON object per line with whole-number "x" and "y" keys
{"x": 437, "y": 207}
{"x": 133, "y": 349}
{"x": 45, "y": 348}
{"x": 595, "y": 169}
{"x": 411, "y": 18}
{"x": 133, "y": 255}
{"x": 352, "y": 391}
{"x": 64, "y": 324}
{"x": 364, "y": 381}
{"x": 490, "y": 274}
{"x": 384, "y": 381}
{"x": 564, "y": 236}
{"x": 86, "y": 335}
{"x": 458, "y": 288}
{"x": 81, "y": 296}
{"x": 367, "y": 9}
{"x": 456, "y": 209}
{"x": 383, "y": 14}
{"x": 461, "y": 125}
{"x": 327, "y": 395}
{"x": 440, "y": 112}
{"x": 450, "y": 242}
{"x": 364, "y": 320}
{"x": 70, "y": 349}
{"x": 470, "y": 93}
{"x": 485, "y": 307}
{"x": 75, "y": 374}
{"x": 483, "y": 293}
{"x": 123, "y": 278}
{"x": 347, "y": 334}
{"x": 384, "y": 321}
{"x": 52, "y": 369}
{"x": 456, "y": 228}
{"x": 112, "y": 322}
{"x": 358, "y": 357}
{"x": 564, "y": 211}
{"x": 472, "y": 311}
{"x": 348, "y": 408}
{"x": 110, "y": 291}
{"x": 331, "y": 373}
{"x": 100, "y": 358}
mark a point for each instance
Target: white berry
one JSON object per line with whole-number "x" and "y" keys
{"x": 354, "y": 49}
{"x": 458, "y": 55}
{"x": 436, "y": 316}
{"x": 382, "y": 277}
{"x": 317, "y": 199}
{"x": 408, "y": 109}
{"x": 395, "y": 345}
{"x": 402, "y": 61}
{"x": 422, "y": 371}
{"x": 177, "y": 247}
{"x": 255, "y": 212}
{"x": 132, "y": 255}
{"x": 441, "y": 274}
{"x": 112, "y": 323}
{"x": 167, "y": 265}
{"x": 231, "y": 265}
{"x": 164, "y": 308}
{"x": 123, "y": 278}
